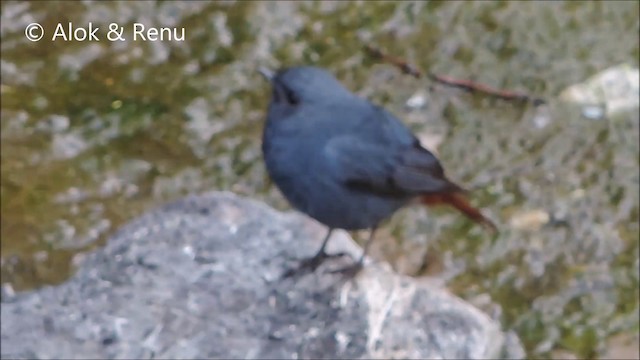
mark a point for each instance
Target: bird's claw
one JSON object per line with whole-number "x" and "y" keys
{"x": 308, "y": 265}
{"x": 349, "y": 270}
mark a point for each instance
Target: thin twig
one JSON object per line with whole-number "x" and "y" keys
{"x": 468, "y": 85}
{"x": 484, "y": 89}
{"x": 404, "y": 66}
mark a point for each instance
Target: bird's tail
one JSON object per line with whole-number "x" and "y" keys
{"x": 458, "y": 201}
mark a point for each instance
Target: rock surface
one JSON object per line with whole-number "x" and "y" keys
{"x": 199, "y": 278}
{"x": 617, "y": 89}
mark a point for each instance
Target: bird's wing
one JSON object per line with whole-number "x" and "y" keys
{"x": 386, "y": 169}
{"x": 389, "y": 161}
{"x": 419, "y": 171}
{"x": 386, "y": 159}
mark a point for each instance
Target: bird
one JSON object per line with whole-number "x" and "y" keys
{"x": 345, "y": 161}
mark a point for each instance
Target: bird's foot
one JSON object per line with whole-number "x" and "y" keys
{"x": 349, "y": 271}
{"x": 309, "y": 265}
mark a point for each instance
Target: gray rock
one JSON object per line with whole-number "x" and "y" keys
{"x": 199, "y": 278}
{"x": 612, "y": 91}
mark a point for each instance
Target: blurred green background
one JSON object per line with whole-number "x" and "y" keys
{"x": 95, "y": 133}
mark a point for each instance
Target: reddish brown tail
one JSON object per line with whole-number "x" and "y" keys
{"x": 458, "y": 201}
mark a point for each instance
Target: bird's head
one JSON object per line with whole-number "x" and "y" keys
{"x": 304, "y": 85}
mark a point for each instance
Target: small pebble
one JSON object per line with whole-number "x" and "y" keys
{"x": 530, "y": 220}
{"x": 417, "y": 101}
{"x": 593, "y": 112}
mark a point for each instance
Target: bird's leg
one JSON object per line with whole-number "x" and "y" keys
{"x": 321, "y": 253}
{"x": 354, "y": 268}
{"x": 366, "y": 246}
{"x": 312, "y": 263}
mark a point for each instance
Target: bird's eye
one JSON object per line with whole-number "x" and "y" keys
{"x": 291, "y": 96}
{"x": 282, "y": 93}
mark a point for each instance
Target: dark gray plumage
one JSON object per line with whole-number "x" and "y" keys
{"x": 343, "y": 161}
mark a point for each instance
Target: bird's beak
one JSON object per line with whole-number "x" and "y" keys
{"x": 268, "y": 74}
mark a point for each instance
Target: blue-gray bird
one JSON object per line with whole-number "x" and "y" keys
{"x": 344, "y": 161}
